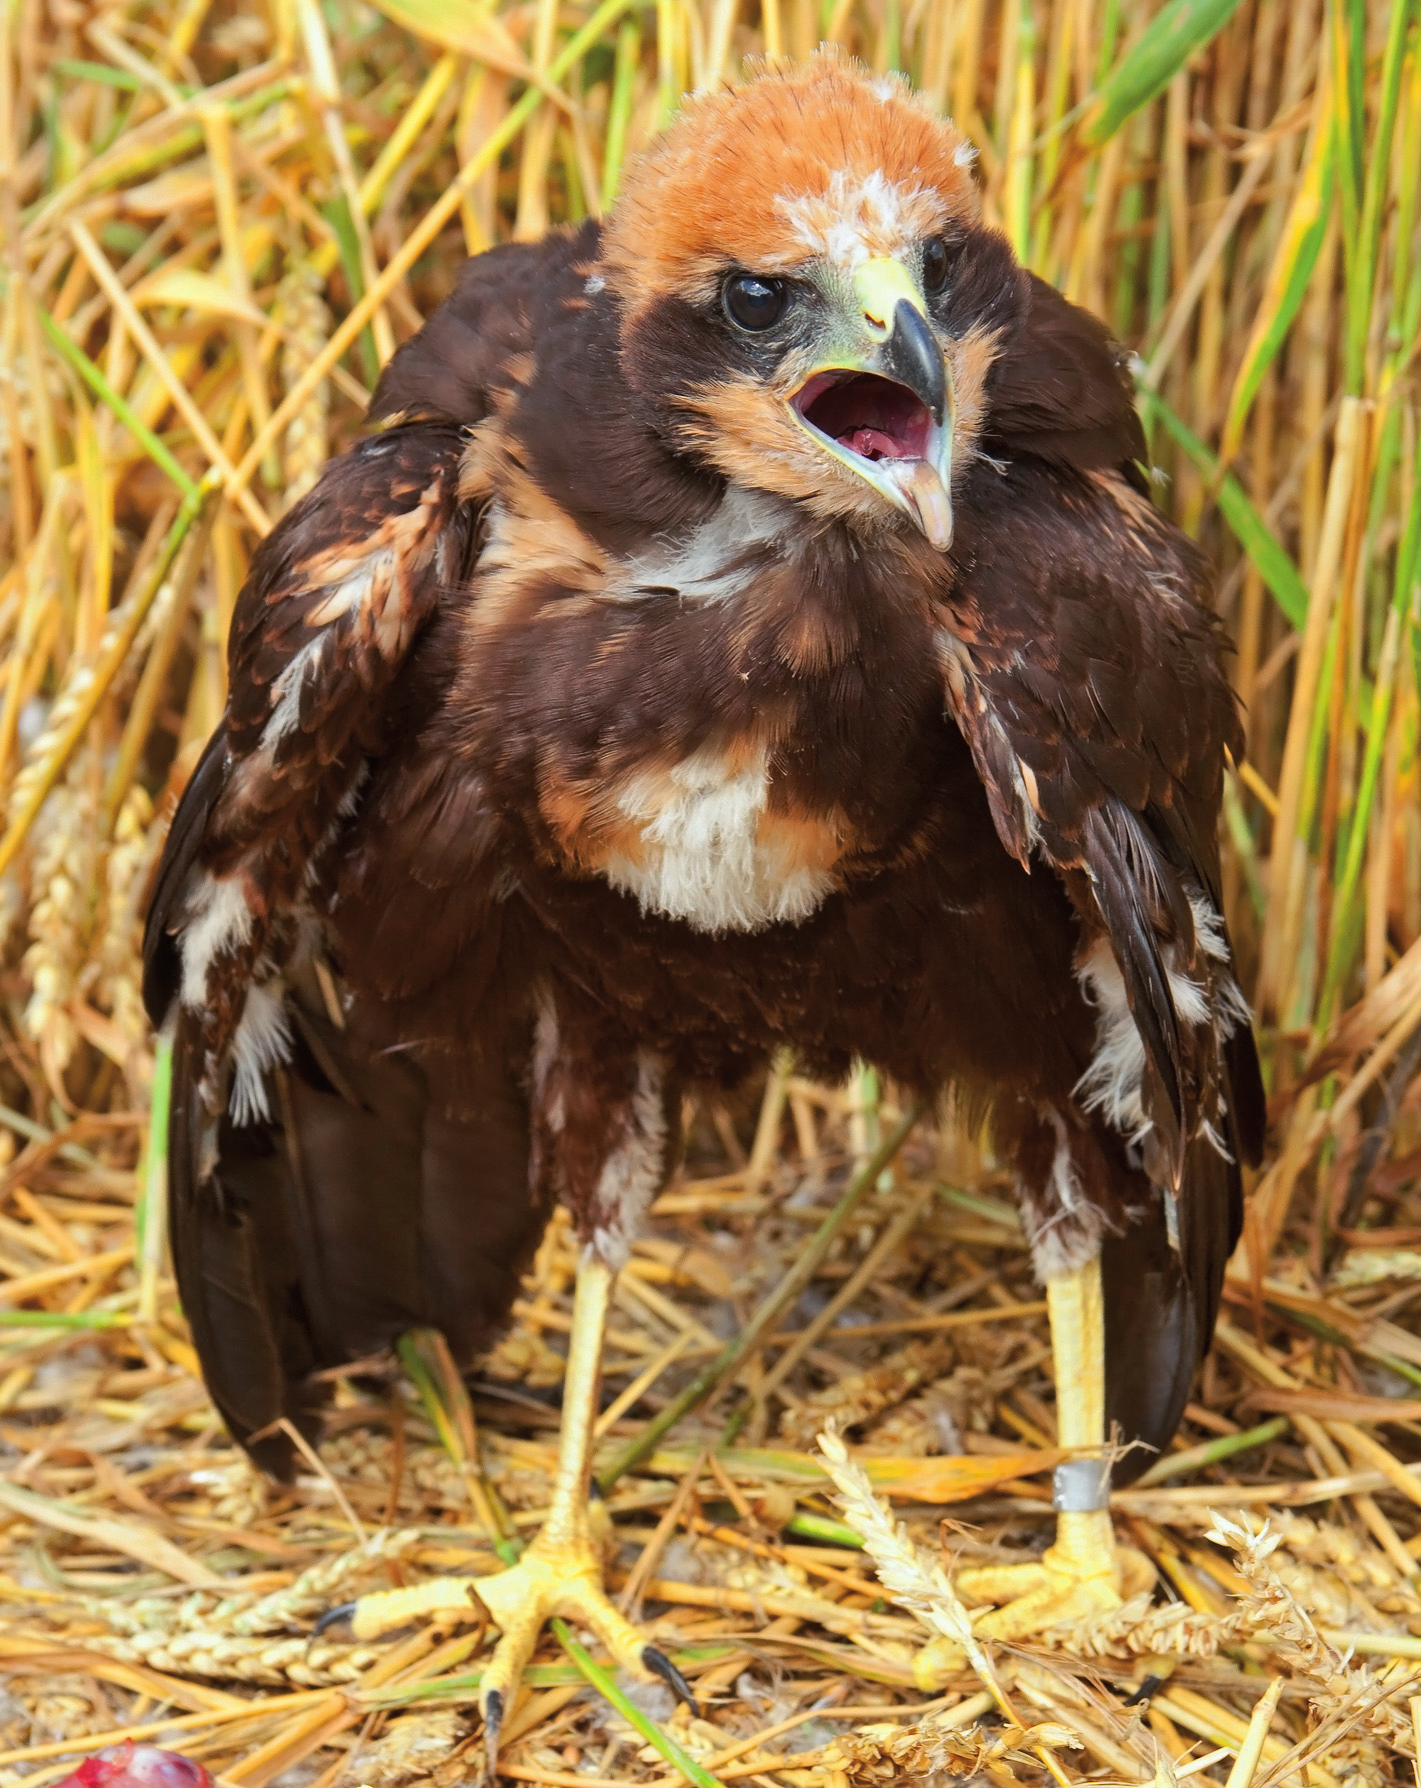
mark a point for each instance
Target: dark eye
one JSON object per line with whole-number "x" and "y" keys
{"x": 937, "y": 263}
{"x": 752, "y": 302}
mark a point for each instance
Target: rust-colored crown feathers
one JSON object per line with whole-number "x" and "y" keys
{"x": 820, "y": 158}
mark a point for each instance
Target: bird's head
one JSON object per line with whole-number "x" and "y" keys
{"x": 786, "y": 258}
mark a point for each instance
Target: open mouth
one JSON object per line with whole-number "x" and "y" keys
{"x": 876, "y": 418}
{"x": 883, "y": 431}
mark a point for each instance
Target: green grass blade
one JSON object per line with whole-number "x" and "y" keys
{"x": 1020, "y": 131}
{"x": 620, "y": 110}
{"x": 33, "y": 1132}
{"x": 1349, "y": 99}
{"x": 99, "y": 385}
{"x": 151, "y": 1217}
{"x": 1269, "y": 558}
{"x": 64, "y": 1319}
{"x": 893, "y": 34}
{"x": 1408, "y": 557}
{"x": 102, "y": 72}
{"x": 1404, "y": 331}
{"x": 1211, "y": 1452}
{"x": 465, "y": 1686}
{"x": 805, "y": 1525}
{"x": 1288, "y": 277}
{"x": 1151, "y": 63}
{"x": 1364, "y": 264}
{"x": 419, "y": 1351}
{"x": 1245, "y": 847}
{"x": 148, "y": 157}
{"x": 1349, "y": 44}
{"x": 667, "y": 96}
{"x": 337, "y": 215}
{"x": 1408, "y": 194}
{"x": 1358, "y": 827}
{"x": 605, "y": 1684}
{"x": 1109, "y": 36}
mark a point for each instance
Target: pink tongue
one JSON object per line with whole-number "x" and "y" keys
{"x": 872, "y": 443}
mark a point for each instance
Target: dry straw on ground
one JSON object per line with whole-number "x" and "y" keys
{"x": 217, "y": 221}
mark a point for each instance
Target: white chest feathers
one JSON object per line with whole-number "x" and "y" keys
{"x": 703, "y": 846}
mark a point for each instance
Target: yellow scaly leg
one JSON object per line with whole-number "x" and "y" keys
{"x": 1084, "y": 1574}
{"x": 560, "y": 1573}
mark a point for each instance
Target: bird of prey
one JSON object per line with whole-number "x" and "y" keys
{"x": 747, "y": 628}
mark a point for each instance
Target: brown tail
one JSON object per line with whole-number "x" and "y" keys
{"x": 359, "y": 1210}
{"x": 1161, "y": 1304}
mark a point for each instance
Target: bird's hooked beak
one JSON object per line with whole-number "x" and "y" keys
{"x": 885, "y": 408}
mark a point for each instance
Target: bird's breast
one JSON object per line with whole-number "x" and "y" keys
{"x": 712, "y": 840}
{"x": 727, "y": 728}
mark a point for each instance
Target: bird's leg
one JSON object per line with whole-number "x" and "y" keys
{"x": 560, "y": 1573}
{"x": 1084, "y": 1574}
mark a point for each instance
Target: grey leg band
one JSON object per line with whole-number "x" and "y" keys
{"x": 1080, "y": 1485}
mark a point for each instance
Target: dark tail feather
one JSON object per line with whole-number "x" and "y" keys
{"x": 235, "y": 1258}
{"x": 359, "y": 1210}
{"x": 1248, "y": 1102}
{"x": 1161, "y": 1305}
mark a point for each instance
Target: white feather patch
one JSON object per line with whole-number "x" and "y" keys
{"x": 218, "y": 922}
{"x": 632, "y": 1174}
{"x": 353, "y": 583}
{"x": 1064, "y": 1227}
{"x": 262, "y": 1040}
{"x": 852, "y": 221}
{"x": 707, "y": 565}
{"x": 285, "y": 715}
{"x": 702, "y": 858}
{"x": 1113, "y": 1083}
{"x": 545, "y": 1057}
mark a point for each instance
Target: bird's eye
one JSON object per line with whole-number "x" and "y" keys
{"x": 752, "y": 302}
{"x": 937, "y": 263}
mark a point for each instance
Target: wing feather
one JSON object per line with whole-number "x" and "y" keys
{"x": 337, "y": 596}
{"x": 1063, "y": 391}
{"x": 1088, "y": 683}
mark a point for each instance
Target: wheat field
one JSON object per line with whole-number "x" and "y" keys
{"x": 218, "y": 221}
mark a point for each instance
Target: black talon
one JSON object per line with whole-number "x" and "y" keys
{"x": 493, "y": 1722}
{"x": 660, "y": 1665}
{"x": 1143, "y": 1693}
{"x": 342, "y": 1611}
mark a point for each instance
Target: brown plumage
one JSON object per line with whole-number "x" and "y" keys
{"x": 599, "y": 725}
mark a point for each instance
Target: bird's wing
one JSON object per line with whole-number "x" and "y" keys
{"x": 274, "y": 1239}
{"x": 320, "y": 1187}
{"x": 336, "y": 597}
{"x": 1082, "y": 664}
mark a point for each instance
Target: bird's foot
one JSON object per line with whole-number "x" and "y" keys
{"x": 1070, "y": 1585}
{"x": 554, "y": 1577}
